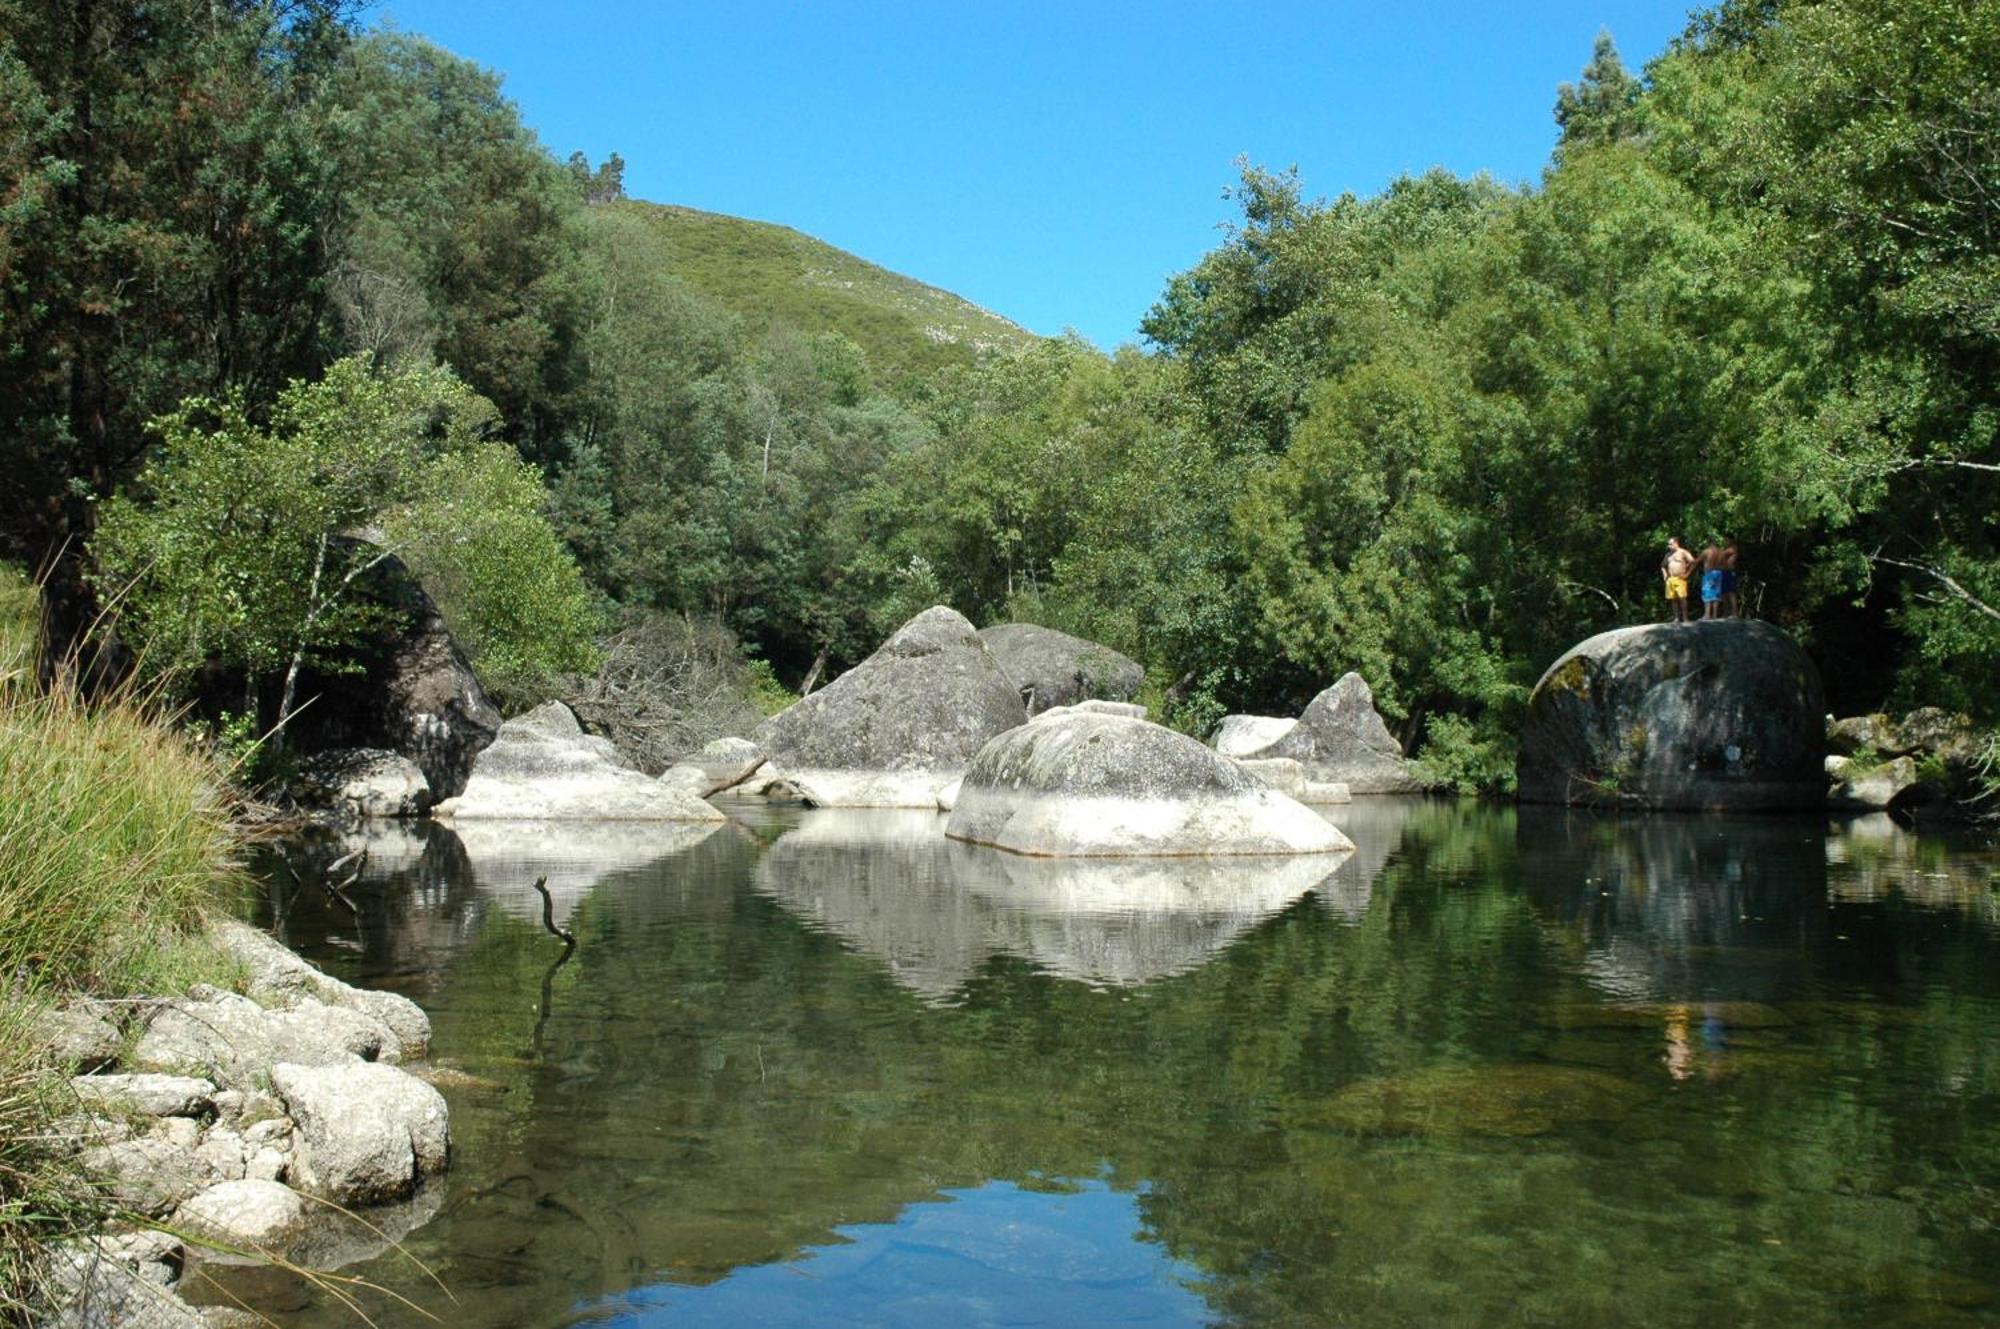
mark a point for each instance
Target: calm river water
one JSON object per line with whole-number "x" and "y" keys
{"x": 1497, "y": 1067}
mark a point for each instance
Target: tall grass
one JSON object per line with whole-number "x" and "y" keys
{"x": 114, "y": 834}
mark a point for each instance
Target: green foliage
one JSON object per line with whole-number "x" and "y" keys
{"x": 1470, "y": 756}
{"x": 20, "y": 627}
{"x": 475, "y": 534}
{"x": 248, "y": 542}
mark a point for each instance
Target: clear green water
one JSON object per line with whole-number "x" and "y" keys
{"x": 1498, "y": 1068}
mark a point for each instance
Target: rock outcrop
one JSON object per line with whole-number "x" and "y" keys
{"x": 1721, "y": 715}
{"x": 1856, "y": 785}
{"x": 543, "y": 767}
{"x": 1052, "y": 668}
{"x": 367, "y": 1133}
{"x": 901, "y": 725}
{"x": 1340, "y": 738}
{"x": 1089, "y": 785}
{"x": 1242, "y": 735}
{"x": 411, "y": 690}
{"x": 1930, "y": 758}
{"x": 363, "y": 784}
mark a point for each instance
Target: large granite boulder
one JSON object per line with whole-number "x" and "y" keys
{"x": 1055, "y": 669}
{"x": 1340, "y": 738}
{"x": 901, "y": 725}
{"x": 407, "y": 688}
{"x": 543, "y": 767}
{"x": 1709, "y": 715}
{"x": 362, "y": 784}
{"x": 368, "y": 1133}
{"x": 1089, "y": 785}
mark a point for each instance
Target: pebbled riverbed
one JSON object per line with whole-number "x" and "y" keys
{"x": 1497, "y": 1067}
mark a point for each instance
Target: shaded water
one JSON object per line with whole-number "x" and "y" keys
{"x": 1496, "y": 1067}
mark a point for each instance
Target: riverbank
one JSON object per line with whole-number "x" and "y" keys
{"x": 162, "y": 1066}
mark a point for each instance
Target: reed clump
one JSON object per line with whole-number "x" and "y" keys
{"x": 115, "y": 834}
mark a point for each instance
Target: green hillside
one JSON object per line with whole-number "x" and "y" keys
{"x": 767, "y": 274}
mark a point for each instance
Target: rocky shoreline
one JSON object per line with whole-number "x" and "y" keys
{"x": 235, "y": 1126}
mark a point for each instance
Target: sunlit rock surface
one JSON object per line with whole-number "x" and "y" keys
{"x": 543, "y": 767}
{"x": 898, "y": 727}
{"x": 1341, "y": 738}
{"x": 1087, "y": 785}
{"x": 1725, "y": 715}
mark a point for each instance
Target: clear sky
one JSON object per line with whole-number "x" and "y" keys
{"x": 1054, "y": 162}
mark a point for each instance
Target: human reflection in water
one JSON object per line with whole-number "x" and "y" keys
{"x": 1678, "y": 908}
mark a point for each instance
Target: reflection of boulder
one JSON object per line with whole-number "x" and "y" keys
{"x": 878, "y": 880}
{"x": 1659, "y": 903}
{"x": 1376, "y": 826}
{"x": 1122, "y": 922}
{"x": 507, "y": 856}
{"x": 1871, "y": 858}
{"x": 933, "y": 911}
{"x": 1088, "y": 785}
{"x": 899, "y": 726}
{"x": 1724, "y": 715}
{"x": 1055, "y": 669}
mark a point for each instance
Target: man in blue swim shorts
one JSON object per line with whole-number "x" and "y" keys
{"x": 1711, "y": 581}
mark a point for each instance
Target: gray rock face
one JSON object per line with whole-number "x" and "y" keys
{"x": 1241, "y": 735}
{"x": 1712, "y": 715}
{"x": 1130, "y": 710}
{"x": 102, "y": 1281}
{"x": 280, "y": 978}
{"x": 1871, "y": 788}
{"x": 150, "y": 1175}
{"x": 231, "y": 1039}
{"x": 725, "y": 758}
{"x": 147, "y": 1095}
{"x": 364, "y": 784}
{"x": 895, "y": 729}
{"x": 1055, "y": 669}
{"x": 543, "y": 767}
{"x": 368, "y": 1133}
{"x": 1103, "y": 786}
{"x": 77, "y": 1038}
{"x": 1340, "y": 738}
{"x": 254, "y": 1214}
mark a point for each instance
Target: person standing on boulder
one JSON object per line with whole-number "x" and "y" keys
{"x": 1711, "y": 581}
{"x": 1674, "y": 568}
{"x": 1732, "y": 606}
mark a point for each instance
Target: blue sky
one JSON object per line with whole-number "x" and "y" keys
{"x": 1054, "y": 162}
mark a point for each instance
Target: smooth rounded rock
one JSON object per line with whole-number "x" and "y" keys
{"x": 899, "y": 726}
{"x": 543, "y": 767}
{"x": 1098, "y": 785}
{"x": 254, "y": 1214}
{"x": 367, "y": 1133}
{"x": 1726, "y": 715}
{"x": 1241, "y": 735}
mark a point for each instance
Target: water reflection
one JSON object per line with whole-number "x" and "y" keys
{"x": 506, "y": 857}
{"x": 1677, "y": 906}
{"x": 1507, "y": 1064}
{"x": 935, "y": 911}
{"x": 996, "y": 1254}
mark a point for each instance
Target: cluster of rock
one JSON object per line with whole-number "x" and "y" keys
{"x": 1722, "y": 715}
{"x": 1089, "y": 784}
{"x": 900, "y": 727}
{"x": 239, "y": 1119}
{"x": 1340, "y": 744}
{"x": 1875, "y": 762}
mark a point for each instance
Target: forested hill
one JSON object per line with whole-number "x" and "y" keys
{"x": 769, "y": 275}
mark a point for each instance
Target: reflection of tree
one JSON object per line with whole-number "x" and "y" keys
{"x": 721, "y": 1085}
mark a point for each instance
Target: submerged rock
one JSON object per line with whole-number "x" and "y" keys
{"x": 1709, "y": 715}
{"x": 543, "y": 767}
{"x": 901, "y": 725}
{"x": 1529, "y": 1098}
{"x": 1658, "y": 1014}
{"x": 1052, "y": 668}
{"x": 1100, "y": 785}
{"x": 1341, "y": 739}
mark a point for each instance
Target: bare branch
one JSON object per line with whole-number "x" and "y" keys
{"x": 1945, "y": 580}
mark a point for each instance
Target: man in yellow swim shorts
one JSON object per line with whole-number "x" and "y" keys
{"x": 1675, "y": 568}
